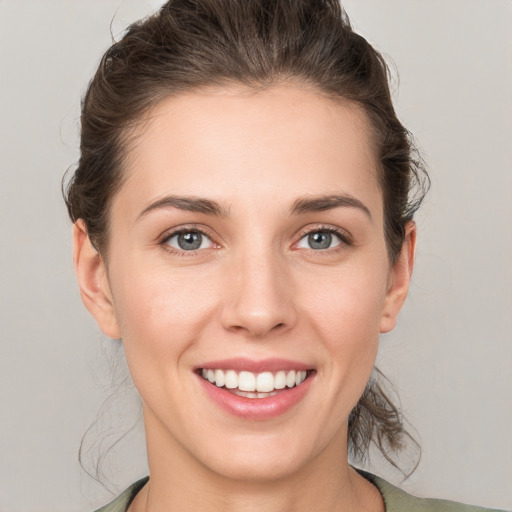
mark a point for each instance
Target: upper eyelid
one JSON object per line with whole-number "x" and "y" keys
{"x": 169, "y": 233}
{"x": 307, "y": 230}
{"x": 345, "y": 239}
{"x": 344, "y": 235}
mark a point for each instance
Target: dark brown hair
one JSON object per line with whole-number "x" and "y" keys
{"x": 190, "y": 44}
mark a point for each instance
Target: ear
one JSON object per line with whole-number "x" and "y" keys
{"x": 93, "y": 281}
{"x": 399, "y": 279}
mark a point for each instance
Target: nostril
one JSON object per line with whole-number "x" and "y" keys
{"x": 257, "y": 316}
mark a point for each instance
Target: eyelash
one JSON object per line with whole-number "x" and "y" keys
{"x": 184, "y": 230}
{"x": 342, "y": 235}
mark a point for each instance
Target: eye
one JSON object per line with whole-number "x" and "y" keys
{"x": 189, "y": 240}
{"x": 320, "y": 240}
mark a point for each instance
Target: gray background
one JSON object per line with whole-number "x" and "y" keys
{"x": 451, "y": 355}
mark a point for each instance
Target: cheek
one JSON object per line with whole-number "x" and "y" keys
{"x": 350, "y": 301}
{"x": 161, "y": 314}
{"x": 157, "y": 297}
{"x": 345, "y": 315}
{"x": 161, "y": 317}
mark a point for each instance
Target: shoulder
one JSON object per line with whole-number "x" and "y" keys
{"x": 397, "y": 500}
{"x": 122, "y": 502}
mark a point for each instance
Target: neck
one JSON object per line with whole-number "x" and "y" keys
{"x": 179, "y": 482}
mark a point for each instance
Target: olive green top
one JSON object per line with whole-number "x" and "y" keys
{"x": 395, "y": 499}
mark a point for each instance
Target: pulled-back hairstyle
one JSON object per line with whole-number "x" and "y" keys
{"x": 189, "y": 44}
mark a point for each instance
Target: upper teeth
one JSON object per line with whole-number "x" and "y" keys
{"x": 248, "y": 381}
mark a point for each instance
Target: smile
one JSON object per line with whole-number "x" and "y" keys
{"x": 256, "y": 390}
{"x": 254, "y": 385}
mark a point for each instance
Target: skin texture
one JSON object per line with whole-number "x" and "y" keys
{"x": 255, "y": 289}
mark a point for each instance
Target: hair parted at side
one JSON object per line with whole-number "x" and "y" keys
{"x": 189, "y": 44}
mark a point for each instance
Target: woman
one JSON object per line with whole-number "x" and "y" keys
{"x": 243, "y": 214}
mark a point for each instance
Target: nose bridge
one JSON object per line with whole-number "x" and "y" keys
{"x": 259, "y": 291}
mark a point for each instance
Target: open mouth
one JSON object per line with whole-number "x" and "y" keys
{"x": 255, "y": 385}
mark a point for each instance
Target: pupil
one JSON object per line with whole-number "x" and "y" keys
{"x": 320, "y": 240}
{"x": 189, "y": 241}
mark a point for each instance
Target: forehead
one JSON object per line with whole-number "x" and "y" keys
{"x": 227, "y": 143}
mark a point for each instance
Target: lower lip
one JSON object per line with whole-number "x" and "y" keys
{"x": 257, "y": 408}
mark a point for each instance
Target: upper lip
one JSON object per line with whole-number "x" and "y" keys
{"x": 254, "y": 366}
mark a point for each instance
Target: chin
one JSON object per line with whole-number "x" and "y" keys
{"x": 260, "y": 458}
{"x": 257, "y": 469}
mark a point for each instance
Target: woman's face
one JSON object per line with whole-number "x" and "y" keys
{"x": 247, "y": 244}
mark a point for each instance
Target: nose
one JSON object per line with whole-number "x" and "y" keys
{"x": 258, "y": 296}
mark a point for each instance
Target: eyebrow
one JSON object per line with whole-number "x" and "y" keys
{"x": 187, "y": 203}
{"x": 300, "y": 207}
{"x": 328, "y": 202}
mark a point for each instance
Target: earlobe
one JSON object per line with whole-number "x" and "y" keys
{"x": 93, "y": 282}
{"x": 400, "y": 279}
